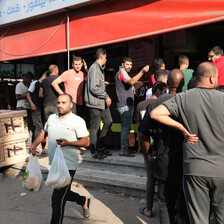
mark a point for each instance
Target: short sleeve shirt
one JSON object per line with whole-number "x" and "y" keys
{"x": 148, "y": 93}
{"x": 219, "y": 63}
{"x": 71, "y": 127}
{"x": 201, "y": 113}
{"x": 50, "y": 95}
{"x": 188, "y": 73}
{"x": 125, "y": 92}
{"x": 32, "y": 86}
{"x": 21, "y": 89}
{"x": 34, "y": 90}
{"x": 123, "y": 76}
{"x": 74, "y": 83}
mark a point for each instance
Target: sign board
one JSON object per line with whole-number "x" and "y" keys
{"x": 15, "y": 10}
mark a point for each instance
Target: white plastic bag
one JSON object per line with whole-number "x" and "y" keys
{"x": 58, "y": 175}
{"x": 33, "y": 177}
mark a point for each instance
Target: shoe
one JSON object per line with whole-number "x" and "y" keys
{"x": 41, "y": 152}
{"x": 126, "y": 154}
{"x": 104, "y": 151}
{"x": 141, "y": 210}
{"x": 107, "y": 152}
{"x": 99, "y": 156}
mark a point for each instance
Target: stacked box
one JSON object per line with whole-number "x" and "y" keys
{"x": 13, "y": 137}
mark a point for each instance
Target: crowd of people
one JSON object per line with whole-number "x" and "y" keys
{"x": 180, "y": 129}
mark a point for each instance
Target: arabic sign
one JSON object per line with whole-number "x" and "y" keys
{"x": 15, "y": 10}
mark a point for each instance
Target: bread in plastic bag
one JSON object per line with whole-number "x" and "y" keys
{"x": 33, "y": 177}
{"x": 58, "y": 175}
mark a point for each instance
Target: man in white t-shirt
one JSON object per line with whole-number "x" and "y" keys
{"x": 21, "y": 97}
{"x": 21, "y": 92}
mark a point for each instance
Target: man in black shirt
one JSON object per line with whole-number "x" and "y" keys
{"x": 158, "y": 89}
{"x": 36, "y": 106}
{"x": 168, "y": 147}
{"x": 48, "y": 93}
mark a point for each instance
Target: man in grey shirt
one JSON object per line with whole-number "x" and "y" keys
{"x": 201, "y": 112}
{"x": 98, "y": 103}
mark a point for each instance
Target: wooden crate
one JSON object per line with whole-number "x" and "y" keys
{"x": 12, "y": 152}
{"x": 12, "y": 137}
{"x": 11, "y": 125}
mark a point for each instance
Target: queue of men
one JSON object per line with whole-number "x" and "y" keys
{"x": 180, "y": 134}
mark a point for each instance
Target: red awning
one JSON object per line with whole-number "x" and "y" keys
{"x": 107, "y": 23}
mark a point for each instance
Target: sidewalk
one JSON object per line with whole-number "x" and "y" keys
{"x": 35, "y": 208}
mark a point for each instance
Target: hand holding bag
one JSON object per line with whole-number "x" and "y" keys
{"x": 58, "y": 175}
{"x": 33, "y": 177}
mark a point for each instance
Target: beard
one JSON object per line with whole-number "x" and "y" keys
{"x": 63, "y": 112}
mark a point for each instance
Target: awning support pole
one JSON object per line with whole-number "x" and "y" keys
{"x": 68, "y": 40}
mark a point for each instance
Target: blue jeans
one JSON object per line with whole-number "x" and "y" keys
{"x": 126, "y": 120}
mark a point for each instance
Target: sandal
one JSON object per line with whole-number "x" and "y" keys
{"x": 107, "y": 152}
{"x": 99, "y": 156}
{"x": 141, "y": 210}
{"x": 86, "y": 212}
{"x": 81, "y": 152}
{"x": 126, "y": 154}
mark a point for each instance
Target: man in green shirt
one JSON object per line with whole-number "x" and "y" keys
{"x": 183, "y": 61}
{"x": 69, "y": 131}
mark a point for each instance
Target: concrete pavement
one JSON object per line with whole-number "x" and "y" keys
{"x": 35, "y": 207}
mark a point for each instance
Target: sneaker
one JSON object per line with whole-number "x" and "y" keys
{"x": 41, "y": 152}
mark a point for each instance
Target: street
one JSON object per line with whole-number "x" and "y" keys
{"x": 35, "y": 207}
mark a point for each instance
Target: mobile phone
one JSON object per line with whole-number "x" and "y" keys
{"x": 58, "y": 140}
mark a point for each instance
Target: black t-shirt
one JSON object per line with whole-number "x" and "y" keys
{"x": 168, "y": 144}
{"x": 35, "y": 95}
{"x": 50, "y": 95}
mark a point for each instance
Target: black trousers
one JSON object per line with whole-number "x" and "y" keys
{"x": 150, "y": 183}
{"x": 28, "y": 120}
{"x": 37, "y": 122}
{"x": 59, "y": 198}
{"x": 170, "y": 197}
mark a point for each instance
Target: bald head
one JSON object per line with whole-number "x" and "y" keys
{"x": 207, "y": 75}
{"x": 205, "y": 70}
{"x": 176, "y": 80}
{"x": 53, "y": 69}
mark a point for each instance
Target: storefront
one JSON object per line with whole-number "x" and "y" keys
{"x": 141, "y": 29}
